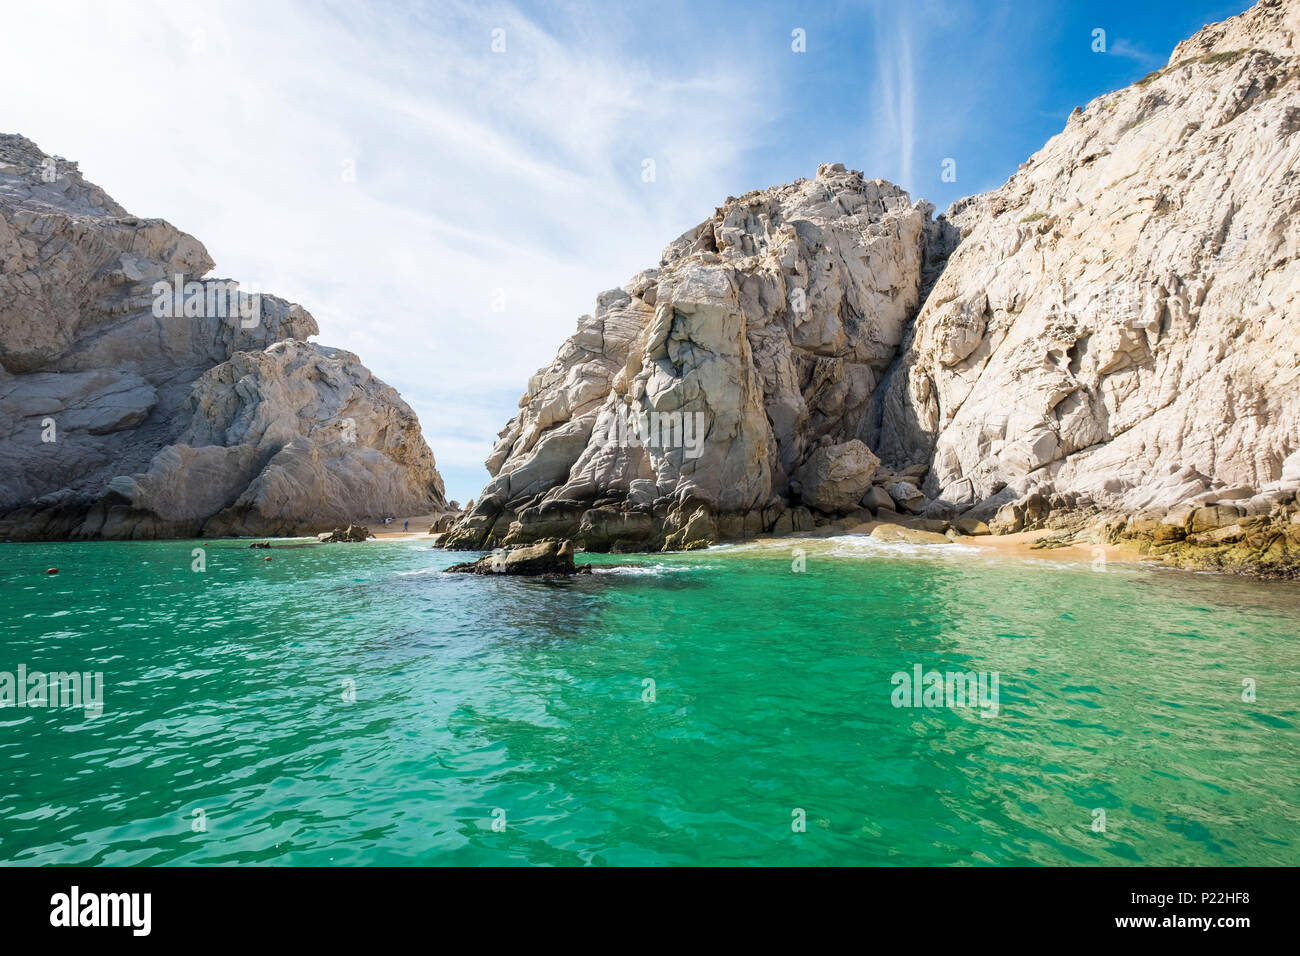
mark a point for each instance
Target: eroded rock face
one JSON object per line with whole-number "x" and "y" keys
{"x": 119, "y": 419}
{"x": 1114, "y": 341}
{"x": 834, "y": 478}
{"x": 1117, "y": 331}
{"x": 684, "y": 406}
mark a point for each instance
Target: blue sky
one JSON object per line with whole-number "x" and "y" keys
{"x": 447, "y": 211}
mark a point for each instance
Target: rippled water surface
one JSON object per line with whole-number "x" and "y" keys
{"x": 522, "y": 702}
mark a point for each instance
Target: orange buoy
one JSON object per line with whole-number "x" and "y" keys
{"x": 51, "y": 570}
{"x": 267, "y": 558}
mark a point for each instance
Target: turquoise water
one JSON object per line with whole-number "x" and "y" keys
{"x": 521, "y": 703}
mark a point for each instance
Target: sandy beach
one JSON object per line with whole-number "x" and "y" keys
{"x": 393, "y": 530}
{"x": 1018, "y": 546}
{"x": 1021, "y": 545}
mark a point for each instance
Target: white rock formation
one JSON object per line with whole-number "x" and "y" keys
{"x": 1118, "y": 328}
{"x": 682, "y": 408}
{"x": 119, "y": 419}
{"x": 1115, "y": 333}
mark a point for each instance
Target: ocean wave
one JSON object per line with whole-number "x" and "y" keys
{"x": 865, "y": 546}
{"x": 650, "y": 569}
{"x": 850, "y": 546}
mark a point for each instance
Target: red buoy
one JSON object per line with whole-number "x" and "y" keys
{"x": 51, "y": 570}
{"x": 267, "y": 558}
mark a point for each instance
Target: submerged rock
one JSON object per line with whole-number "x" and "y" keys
{"x": 545, "y": 557}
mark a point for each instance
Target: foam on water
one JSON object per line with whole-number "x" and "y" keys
{"x": 865, "y": 546}
{"x": 651, "y": 570}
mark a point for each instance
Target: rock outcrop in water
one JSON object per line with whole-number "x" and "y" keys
{"x": 352, "y": 534}
{"x": 698, "y": 401}
{"x": 126, "y": 413}
{"x": 532, "y": 560}
{"x": 1112, "y": 344}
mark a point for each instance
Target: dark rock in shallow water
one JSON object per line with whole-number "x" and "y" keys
{"x": 353, "y": 533}
{"x": 260, "y": 544}
{"x": 546, "y": 557}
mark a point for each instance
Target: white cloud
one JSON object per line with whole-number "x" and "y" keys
{"x": 1131, "y": 51}
{"x": 894, "y": 127}
{"x": 474, "y": 170}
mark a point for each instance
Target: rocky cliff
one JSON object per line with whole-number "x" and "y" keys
{"x": 1116, "y": 334}
{"x": 139, "y": 400}
{"x": 1119, "y": 322}
{"x": 1111, "y": 344}
{"x": 727, "y": 390}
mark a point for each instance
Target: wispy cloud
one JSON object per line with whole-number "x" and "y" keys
{"x": 894, "y": 132}
{"x": 1131, "y": 51}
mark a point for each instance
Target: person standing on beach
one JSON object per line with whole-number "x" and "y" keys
{"x": 406, "y": 526}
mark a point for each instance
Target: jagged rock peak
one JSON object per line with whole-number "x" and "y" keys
{"x": 685, "y": 405}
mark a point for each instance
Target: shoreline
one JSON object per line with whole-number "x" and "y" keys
{"x": 1016, "y": 546}
{"x": 1021, "y": 546}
